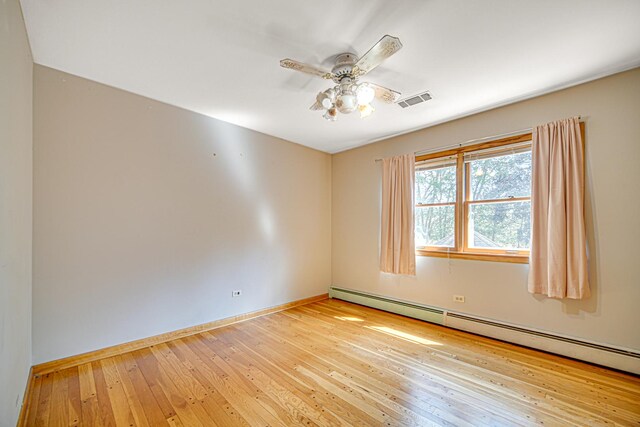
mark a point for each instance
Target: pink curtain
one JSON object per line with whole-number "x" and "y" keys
{"x": 558, "y": 260}
{"x": 397, "y": 251}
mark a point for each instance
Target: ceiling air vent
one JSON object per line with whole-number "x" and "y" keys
{"x": 414, "y": 100}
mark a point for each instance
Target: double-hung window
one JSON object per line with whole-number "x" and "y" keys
{"x": 475, "y": 201}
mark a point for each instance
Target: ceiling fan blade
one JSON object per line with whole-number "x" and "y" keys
{"x": 305, "y": 68}
{"x": 386, "y": 95}
{"x": 316, "y": 106}
{"x": 386, "y": 46}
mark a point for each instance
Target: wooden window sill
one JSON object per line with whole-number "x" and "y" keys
{"x": 516, "y": 259}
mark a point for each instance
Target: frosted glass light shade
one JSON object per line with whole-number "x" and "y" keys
{"x": 346, "y": 102}
{"x": 366, "y": 110}
{"x": 331, "y": 114}
{"x": 365, "y": 94}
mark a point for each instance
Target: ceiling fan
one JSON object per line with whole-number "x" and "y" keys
{"x": 348, "y": 94}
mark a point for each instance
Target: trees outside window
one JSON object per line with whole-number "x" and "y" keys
{"x": 499, "y": 202}
{"x": 475, "y": 200}
{"x": 435, "y": 205}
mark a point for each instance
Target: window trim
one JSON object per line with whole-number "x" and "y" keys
{"x": 461, "y": 249}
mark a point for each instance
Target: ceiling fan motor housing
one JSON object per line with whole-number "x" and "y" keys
{"x": 348, "y": 95}
{"x": 344, "y": 66}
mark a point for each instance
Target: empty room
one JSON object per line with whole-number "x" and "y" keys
{"x": 340, "y": 213}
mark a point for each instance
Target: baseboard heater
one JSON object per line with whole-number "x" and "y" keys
{"x": 602, "y": 354}
{"x": 405, "y": 308}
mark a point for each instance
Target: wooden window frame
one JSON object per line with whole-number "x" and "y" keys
{"x": 461, "y": 249}
{"x": 452, "y": 163}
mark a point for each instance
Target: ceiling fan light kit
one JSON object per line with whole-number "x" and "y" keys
{"x": 348, "y": 95}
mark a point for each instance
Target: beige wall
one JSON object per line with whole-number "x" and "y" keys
{"x": 15, "y": 210}
{"x": 611, "y": 107}
{"x": 147, "y": 216}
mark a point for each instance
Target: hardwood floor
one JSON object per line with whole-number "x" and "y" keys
{"x": 334, "y": 363}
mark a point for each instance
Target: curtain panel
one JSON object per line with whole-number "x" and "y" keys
{"x": 558, "y": 260}
{"x": 397, "y": 243}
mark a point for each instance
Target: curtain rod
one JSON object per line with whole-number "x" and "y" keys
{"x": 474, "y": 141}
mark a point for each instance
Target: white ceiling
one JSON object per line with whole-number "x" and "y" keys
{"x": 220, "y": 58}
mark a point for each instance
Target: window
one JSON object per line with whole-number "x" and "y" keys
{"x": 475, "y": 201}
{"x": 435, "y": 204}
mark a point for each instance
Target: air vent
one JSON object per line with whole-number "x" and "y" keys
{"x": 414, "y": 100}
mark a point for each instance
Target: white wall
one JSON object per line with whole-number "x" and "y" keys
{"x": 147, "y": 216}
{"x": 15, "y": 210}
{"x": 611, "y": 107}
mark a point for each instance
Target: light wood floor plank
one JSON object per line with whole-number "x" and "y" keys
{"x": 59, "y": 415}
{"x": 508, "y": 380}
{"x": 215, "y": 403}
{"x": 89, "y": 401}
{"x": 234, "y": 402}
{"x": 34, "y": 400}
{"x": 290, "y": 395}
{"x": 74, "y": 404}
{"x": 124, "y": 413}
{"x": 352, "y": 352}
{"x": 292, "y": 358}
{"x": 156, "y": 407}
{"x": 261, "y": 405}
{"x": 277, "y": 404}
{"x": 105, "y": 408}
{"x": 275, "y": 370}
{"x": 129, "y": 389}
{"x": 185, "y": 381}
{"x": 152, "y": 370}
{"x": 372, "y": 404}
{"x": 496, "y": 382}
{"x": 332, "y": 363}
{"x": 44, "y": 404}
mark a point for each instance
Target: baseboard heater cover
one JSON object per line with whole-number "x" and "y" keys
{"x": 404, "y": 308}
{"x": 614, "y": 357}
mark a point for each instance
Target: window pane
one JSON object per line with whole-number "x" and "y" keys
{"x": 435, "y": 226}
{"x": 501, "y": 177}
{"x": 436, "y": 185}
{"x": 500, "y": 225}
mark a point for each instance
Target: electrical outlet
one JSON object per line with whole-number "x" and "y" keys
{"x": 236, "y": 293}
{"x": 458, "y": 298}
